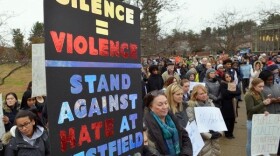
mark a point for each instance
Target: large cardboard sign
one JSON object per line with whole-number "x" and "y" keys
{"x": 209, "y": 118}
{"x": 265, "y": 134}
{"x": 196, "y": 139}
{"x": 38, "y": 70}
{"x": 2, "y": 126}
{"x": 93, "y": 77}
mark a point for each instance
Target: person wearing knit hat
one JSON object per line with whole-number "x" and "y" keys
{"x": 220, "y": 72}
{"x": 213, "y": 87}
{"x": 211, "y": 70}
{"x": 275, "y": 70}
{"x": 219, "y": 66}
{"x": 269, "y": 63}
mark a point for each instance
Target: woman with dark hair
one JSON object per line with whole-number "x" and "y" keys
{"x": 168, "y": 82}
{"x": 164, "y": 131}
{"x": 28, "y": 137}
{"x": 229, "y": 90}
{"x": 27, "y": 101}
{"x": 255, "y": 104}
{"x": 29, "y": 87}
{"x": 155, "y": 81}
{"x": 10, "y": 109}
{"x": 272, "y": 91}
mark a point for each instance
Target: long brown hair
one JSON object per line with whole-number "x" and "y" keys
{"x": 169, "y": 81}
{"x": 254, "y": 83}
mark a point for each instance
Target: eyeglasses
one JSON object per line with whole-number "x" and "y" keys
{"x": 20, "y": 127}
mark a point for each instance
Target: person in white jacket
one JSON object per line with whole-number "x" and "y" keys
{"x": 255, "y": 71}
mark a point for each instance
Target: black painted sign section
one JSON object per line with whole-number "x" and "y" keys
{"x": 93, "y": 77}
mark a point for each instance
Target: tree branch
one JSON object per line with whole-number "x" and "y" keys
{"x": 2, "y": 80}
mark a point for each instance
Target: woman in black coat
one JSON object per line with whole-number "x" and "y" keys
{"x": 229, "y": 90}
{"x": 155, "y": 81}
{"x": 27, "y": 126}
{"x": 10, "y": 109}
{"x": 167, "y": 137}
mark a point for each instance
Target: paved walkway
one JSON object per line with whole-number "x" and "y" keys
{"x": 237, "y": 146}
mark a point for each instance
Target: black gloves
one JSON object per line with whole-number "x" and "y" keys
{"x": 215, "y": 135}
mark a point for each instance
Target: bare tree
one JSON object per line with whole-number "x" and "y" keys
{"x": 231, "y": 31}
{"x": 9, "y": 54}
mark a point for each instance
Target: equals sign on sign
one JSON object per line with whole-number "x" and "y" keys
{"x": 101, "y": 27}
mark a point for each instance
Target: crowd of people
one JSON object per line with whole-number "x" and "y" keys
{"x": 224, "y": 79}
{"x": 168, "y": 104}
{"x": 25, "y": 125}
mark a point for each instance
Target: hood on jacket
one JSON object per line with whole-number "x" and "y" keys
{"x": 190, "y": 72}
{"x": 8, "y": 135}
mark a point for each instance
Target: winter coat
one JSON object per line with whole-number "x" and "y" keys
{"x": 182, "y": 116}
{"x": 11, "y": 114}
{"x": 27, "y": 94}
{"x": 213, "y": 88}
{"x": 18, "y": 147}
{"x": 227, "y": 106}
{"x": 255, "y": 73}
{"x": 190, "y": 72}
{"x": 201, "y": 69}
{"x": 211, "y": 146}
{"x": 183, "y": 71}
{"x": 253, "y": 105}
{"x": 165, "y": 76}
{"x": 155, "y": 82}
{"x": 219, "y": 75}
{"x": 156, "y": 137}
{"x": 274, "y": 91}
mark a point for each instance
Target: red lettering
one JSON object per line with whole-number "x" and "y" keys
{"x": 109, "y": 127}
{"x": 92, "y": 50}
{"x": 124, "y": 50}
{"x": 64, "y": 139}
{"x": 103, "y": 47}
{"x": 69, "y": 43}
{"x": 58, "y": 41}
{"x": 96, "y": 126}
{"x": 84, "y": 135}
{"x": 114, "y": 48}
{"x": 133, "y": 51}
{"x": 80, "y": 45}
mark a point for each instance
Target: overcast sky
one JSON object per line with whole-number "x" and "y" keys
{"x": 191, "y": 14}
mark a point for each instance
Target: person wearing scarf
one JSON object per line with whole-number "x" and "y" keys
{"x": 256, "y": 103}
{"x": 199, "y": 98}
{"x": 164, "y": 132}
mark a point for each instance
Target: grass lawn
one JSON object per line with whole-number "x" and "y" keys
{"x": 17, "y": 82}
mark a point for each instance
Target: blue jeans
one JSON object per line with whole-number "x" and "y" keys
{"x": 249, "y": 133}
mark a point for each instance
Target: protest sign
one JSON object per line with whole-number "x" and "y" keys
{"x": 93, "y": 77}
{"x": 38, "y": 70}
{"x": 265, "y": 134}
{"x": 196, "y": 139}
{"x": 209, "y": 118}
{"x": 2, "y": 126}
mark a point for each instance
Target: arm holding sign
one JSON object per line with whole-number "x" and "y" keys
{"x": 255, "y": 106}
{"x": 211, "y": 141}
